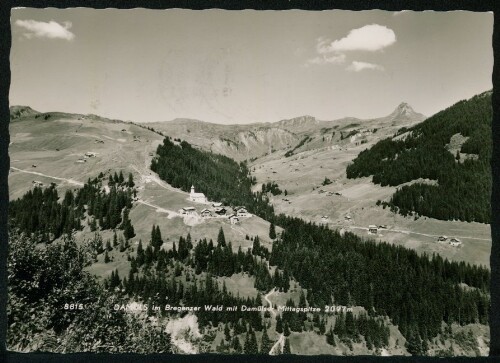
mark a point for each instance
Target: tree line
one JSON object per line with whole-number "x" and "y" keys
{"x": 463, "y": 185}
{"x": 40, "y": 214}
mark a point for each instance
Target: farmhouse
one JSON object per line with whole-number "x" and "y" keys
{"x": 324, "y": 219}
{"x": 233, "y": 219}
{"x": 220, "y": 211}
{"x": 37, "y": 183}
{"x": 187, "y": 211}
{"x": 197, "y": 197}
{"x": 242, "y": 212}
{"x": 81, "y": 161}
{"x": 455, "y": 242}
{"x": 205, "y": 213}
{"x": 217, "y": 204}
{"x": 442, "y": 238}
{"x": 372, "y": 229}
{"x": 90, "y": 154}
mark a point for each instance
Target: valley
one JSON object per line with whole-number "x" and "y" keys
{"x": 305, "y": 157}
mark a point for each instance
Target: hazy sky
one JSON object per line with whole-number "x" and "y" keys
{"x": 246, "y": 66}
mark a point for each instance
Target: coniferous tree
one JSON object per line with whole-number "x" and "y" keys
{"x": 272, "y": 231}
{"x": 221, "y": 240}
{"x": 286, "y": 347}
{"x": 236, "y": 344}
{"x": 279, "y": 324}
{"x": 140, "y": 254}
{"x": 266, "y": 344}
{"x": 130, "y": 183}
{"x": 286, "y": 329}
{"x": 227, "y": 333}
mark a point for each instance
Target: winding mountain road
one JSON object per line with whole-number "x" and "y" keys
{"x": 277, "y": 348}
{"x": 70, "y": 181}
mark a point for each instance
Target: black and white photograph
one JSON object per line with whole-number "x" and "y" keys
{"x": 250, "y": 182}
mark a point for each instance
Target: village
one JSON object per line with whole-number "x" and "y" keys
{"x": 216, "y": 209}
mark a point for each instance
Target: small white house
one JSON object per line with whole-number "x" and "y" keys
{"x": 205, "y": 213}
{"x": 233, "y": 219}
{"x": 37, "y": 183}
{"x": 372, "y": 229}
{"x": 324, "y": 219}
{"x": 90, "y": 154}
{"x": 216, "y": 204}
{"x": 187, "y": 211}
{"x": 242, "y": 212}
{"x": 455, "y": 242}
{"x": 197, "y": 197}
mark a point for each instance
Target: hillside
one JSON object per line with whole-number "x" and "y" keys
{"x": 452, "y": 148}
{"x": 21, "y": 111}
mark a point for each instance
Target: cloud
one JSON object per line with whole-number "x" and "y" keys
{"x": 367, "y": 38}
{"x": 323, "y": 59}
{"x": 51, "y": 30}
{"x": 356, "y": 66}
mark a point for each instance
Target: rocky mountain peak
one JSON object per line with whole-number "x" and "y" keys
{"x": 406, "y": 112}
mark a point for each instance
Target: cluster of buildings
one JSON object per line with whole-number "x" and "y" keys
{"x": 88, "y": 154}
{"x": 217, "y": 210}
{"x": 455, "y": 242}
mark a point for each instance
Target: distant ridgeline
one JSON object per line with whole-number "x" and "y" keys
{"x": 417, "y": 292}
{"x": 462, "y": 170}
{"x": 40, "y": 214}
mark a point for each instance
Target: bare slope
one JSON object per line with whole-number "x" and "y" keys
{"x": 53, "y": 150}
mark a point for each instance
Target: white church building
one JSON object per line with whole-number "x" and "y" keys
{"x": 197, "y": 197}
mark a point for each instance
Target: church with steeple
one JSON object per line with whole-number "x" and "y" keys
{"x": 197, "y": 197}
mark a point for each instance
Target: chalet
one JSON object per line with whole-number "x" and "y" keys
{"x": 233, "y": 219}
{"x": 90, "y": 154}
{"x": 37, "y": 183}
{"x": 382, "y": 226}
{"x": 33, "y": 165}
{"x": 81, "y": 161}
{"x": 197, "y": 197}
{"x": 242, "y": 212}
{"x": 455, "y": 242}
{"x": 348, "y": 217}
{"x": 205, "y": 213}
{"x": 372, "y": 229}
{"x": 220, "y": 211}
{"x": 442, "y": 238}
{"x": 216, "y": 204}
{"x": 187, "y": 211}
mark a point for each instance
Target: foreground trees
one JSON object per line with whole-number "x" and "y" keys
{"x": 54, "y": 305}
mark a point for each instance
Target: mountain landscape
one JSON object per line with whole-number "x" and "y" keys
{"x": 346, "y": 216}
{"x": 244, "y": 142}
